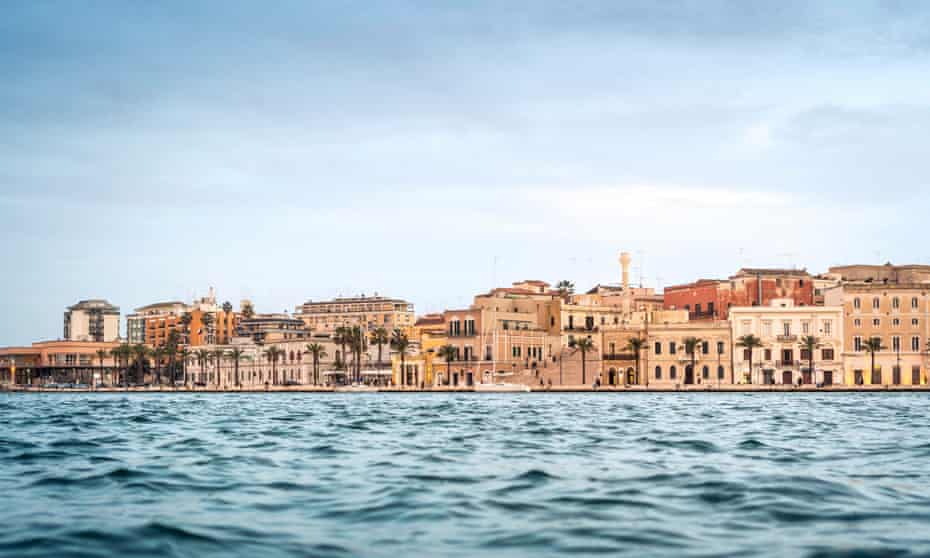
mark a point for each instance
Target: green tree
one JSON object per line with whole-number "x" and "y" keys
{"x": 141, "y": 354}
{"x": 873, "y": 345}
{"x": 102, "y": 354}
{"x": 218, "y": 356}
{"x": 184, "y": 355}
{"x": 584, "y": 345}
{"x": 379, "y": 337}
{"x": 565, "y": 288}
{"x": 635, "y": 345}
{"x": 203, "y": 358}
{"x": 236, "y": 355}
{"x": 273, "y": 353}
{"x": 809, "y": 343}
{"x": 316, "y": 351}
{"x": 448, "y": 353}
{"x": 691, "y": 348}
{"x": 341, "y": 337}
{"x": 401, "y": 344}
{"x": 749, "y": 342}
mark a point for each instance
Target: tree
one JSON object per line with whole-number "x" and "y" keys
{"x": 236, "y": 355}
{"x": 635, "y": 345}
{"x": 691, "y": 348}
{"x": 101, "y": 355}
{"x": 272, "y": 353}
{"x": 400, "y": 343}
{"x": 584, "y": 345}
{"x": 341, "y": 338}
{"x": 448, "y": 353}
{"x": 316, "y": 351}
{"x": 359, "y": 347}
{"x": 809, "y": 343}
{"x": 565, "y": 288}
{"x": 157, "y": 354}
{"x": 184, "y": 355}
{"x": 379, "y": 337}
{"x": 749, "y": 342}
{"x": 227, "y": 307}
{"x": 141, "y": 353}
{"x": 247, "y": 310}
{"x": 218, "y": 356}
{"x": 873, "y": 345}
{"x": 171, "y": 351}
{"x": 203, "y": 358}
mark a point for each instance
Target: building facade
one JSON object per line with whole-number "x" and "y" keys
{"x": 369, "y": 313}
{"x": 711, "y": 299}
{"x": 783, "y": 358}
{"x": 92, "y": 320}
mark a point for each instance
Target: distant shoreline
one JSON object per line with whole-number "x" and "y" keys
{"x": 554, "y": 389}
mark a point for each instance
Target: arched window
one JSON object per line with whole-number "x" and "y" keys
{"x": 672, "y": 373}
{"x": 658, "y": 372}
{"x": 720, "y": 372}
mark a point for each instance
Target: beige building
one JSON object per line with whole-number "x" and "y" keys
{"x": 894, "y": 313}
{"x": 368, "y": 312}
{"x": 92, "y": 320}
{"x": 781, "y": 326}
{"x": 664, "y": 360}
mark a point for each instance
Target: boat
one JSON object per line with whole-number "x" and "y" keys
{"x": 502, "y": 387}
{"x": 355, "y": 388}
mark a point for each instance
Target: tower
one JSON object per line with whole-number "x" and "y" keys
{"x": 625, "y": 260}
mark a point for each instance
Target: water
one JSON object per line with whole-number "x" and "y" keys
{"x": 398, "y": 475}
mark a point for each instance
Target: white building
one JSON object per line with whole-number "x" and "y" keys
{"x": 783, "y": 359}
{"x": 92, "y": 320}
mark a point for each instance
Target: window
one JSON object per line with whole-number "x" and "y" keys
{"x": 914, "y": 303}
{"x": 826, "y": 354}
{"x": 896, "y": 303}
{"x": 787, "y": 355}
{"x": 697, "y": 308}
{"x": 786, "y": 328}
{"x": 805, "y": 354}
{"x": 672, "y": 373}
{"x": 857, "y": 343}
{"x": 915, "y": 374}
{"x": 876, "y": 303}
{"x": 828, "y": 327}
{"x": 671, "y": 347}
{"x": 705, "y": 347}
{"x": 766, "y": 329}
{"x": 915, "y": 344}
{"x": 896, "y": 322}
{"x": 857, "y": 304}
{"x": 805, "y": 327}
{"x": 710, "y": 308}
{"x": 857, "y": 323}
{"x": 705, "y": 372}
{"x": 747, "y": 354}
{"x": 658, "y": 348}
{"x": 658, "y": 372}
{"x": 613, "y": 348}
{"x": 915, "y": 322}
{"x": 876, "y": 322}
{"x": 720, "y": 347}
{"x": 877, "y": 376}
{"x": 720, "y": 372}
{"x": 767, "y": 354}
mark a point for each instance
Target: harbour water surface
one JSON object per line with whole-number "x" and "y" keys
{"x": 400, "y": 475}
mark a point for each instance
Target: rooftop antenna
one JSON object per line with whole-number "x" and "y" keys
{"x": 641, "y": 256}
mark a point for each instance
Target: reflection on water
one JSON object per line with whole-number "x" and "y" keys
{"x": 458, "y": 475}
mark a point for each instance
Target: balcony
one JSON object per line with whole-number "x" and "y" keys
{"x": 592, "y": 329}
{"x": 786, "y": 338}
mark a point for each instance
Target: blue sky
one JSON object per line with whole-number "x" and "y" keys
{"x": 302, "y": 150}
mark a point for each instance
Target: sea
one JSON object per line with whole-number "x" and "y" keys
{"x": 437, "y": 474}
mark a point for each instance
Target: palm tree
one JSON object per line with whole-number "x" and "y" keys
{"x": 584, "y": 345}
{"x": 341, "y": 338}
{"x": 379, "y": 337}
{"x": 235, "y": 356}
{"x": 157, "y": 354}
{"x": 272, "y": 353}
{"x": 247, "y": 310}
{"x": 565, "y": 288}
{"x": 316, "y": 351}
{"x": 873, "y": 345}
{"x": 809, "y": 343}
{"x": 691, "y": 348}
{"x": 635, "y": 345}
{"x": 448, "y": 353}
{"x": 227, "y": 307}
{"x": 141, "y": 352}
{"x": 101, "y": 355}
{"x": 184, "y": 355}
{"x": 203, "y": 357}
{"x": 400, "y": 343}
{"x": 218, "y": 356}
{"x": 749, "y": 342}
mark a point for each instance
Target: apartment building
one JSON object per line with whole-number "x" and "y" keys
{"x": 368, "y": 312}
{"x": 711, "y": 299}
{"x": 92, "y": 320}
{"x": 783, "y": 358}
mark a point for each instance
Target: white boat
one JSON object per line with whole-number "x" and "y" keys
{"x": 502, "y": 388}
{"x": 357, "y": 388}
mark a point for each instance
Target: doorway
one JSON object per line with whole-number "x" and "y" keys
{"x": 828, "y": 377}
{"x": 689, "y": 374}
{"x": 786, "y": 377}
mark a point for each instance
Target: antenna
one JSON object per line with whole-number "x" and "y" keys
{"x": 641, "y": 256}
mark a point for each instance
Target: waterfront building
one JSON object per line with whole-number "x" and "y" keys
{"x": 203, "y": 322}
{"x": 57, "y": 361}
{"x": 674, "y": 351}
{"x": 92, "y": 320}
{"x": 367, "y": 312}
{"x": 783, "y": 358}
{"x": 273, "y": 328}
{"x": 897, "y": 314}
{"x": 711, "y": 299}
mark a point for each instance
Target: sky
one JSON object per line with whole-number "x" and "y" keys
{"x": 294, "y": 151}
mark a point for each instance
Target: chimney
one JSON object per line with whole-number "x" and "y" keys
{"x": 625, "y": 260}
